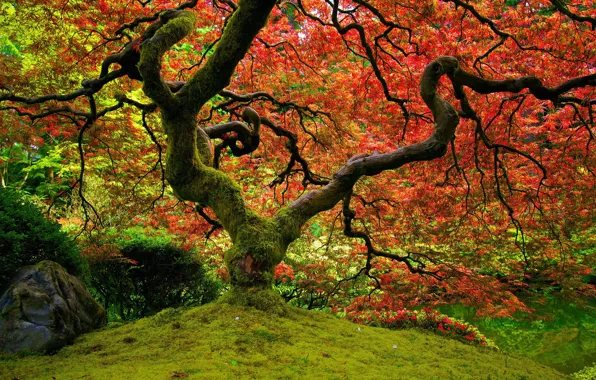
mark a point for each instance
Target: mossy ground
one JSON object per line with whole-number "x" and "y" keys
{"x": 219, "y": 341}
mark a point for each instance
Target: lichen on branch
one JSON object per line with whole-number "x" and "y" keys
{"x": 178, "y": 26}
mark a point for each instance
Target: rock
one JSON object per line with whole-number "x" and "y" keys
{"x": 45, "y": 308}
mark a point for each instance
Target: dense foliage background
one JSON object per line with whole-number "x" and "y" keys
{"x": 504, "y": 221}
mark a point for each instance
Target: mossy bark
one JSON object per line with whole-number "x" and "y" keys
{"x": 259, "y": 243}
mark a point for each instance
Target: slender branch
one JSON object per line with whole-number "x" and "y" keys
{"x": 533, "y": 84}
{"x": 90, "y": 120}
{"x": 446, "y": 120}
{"x": 215, "y": 225}
{"x": 414, "y": 264}
{"x": 159, "y": 157}
{"x": 237, "y": 37}
{"x": 561, "y": 7}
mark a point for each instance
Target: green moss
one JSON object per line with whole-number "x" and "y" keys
{"x": 263, "y": 299}
{"x": 261, "y": 237}
{"x": 226, "y": 200}
{"x": 177, "y": 28}
{"x": 238, "y": 35}
{"x": 166, "y": 36}
{"x": 259, "y": 243}
{"x": 221, "y": 341}
{"x": 289, "y": 223}
{"x": 258, "y": 247}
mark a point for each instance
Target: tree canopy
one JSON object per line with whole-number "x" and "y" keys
{"x": 439, "y": 150}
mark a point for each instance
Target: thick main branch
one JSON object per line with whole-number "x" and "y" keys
{"x": 188, "y": 168}
{"x": 446, "y": 120}
{"x": 250, "y": 17}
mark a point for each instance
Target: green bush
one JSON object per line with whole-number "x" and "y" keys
{"x": 149, "y": 276}
{"x": 26, "y": 238}
{"x": 588, "y": 373}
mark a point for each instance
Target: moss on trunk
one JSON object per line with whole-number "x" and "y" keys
{"x": 258, "y": 243}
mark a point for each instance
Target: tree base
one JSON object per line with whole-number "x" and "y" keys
{"x": 266, "y": 300}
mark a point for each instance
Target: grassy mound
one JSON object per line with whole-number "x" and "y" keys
{"x": 219, "y": 341}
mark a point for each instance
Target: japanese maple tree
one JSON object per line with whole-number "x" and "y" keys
{"x": 452, "y": 138}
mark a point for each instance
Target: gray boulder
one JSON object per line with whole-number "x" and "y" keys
{"x": 45, "y": 308}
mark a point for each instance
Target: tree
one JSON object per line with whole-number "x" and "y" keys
{"x": 510, "y": 90}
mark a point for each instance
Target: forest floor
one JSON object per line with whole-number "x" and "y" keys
{"x": 218, "y": 341}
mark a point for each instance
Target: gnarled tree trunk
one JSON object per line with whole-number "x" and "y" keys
{"x": 259, "y": 243}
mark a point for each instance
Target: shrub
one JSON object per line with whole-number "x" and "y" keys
{"x": 26, "y": 238}
{"x": 148, "y": 276}
{"x": 587, "y": 373}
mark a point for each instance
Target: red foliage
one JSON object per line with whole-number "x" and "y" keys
{"x": 426, "y": 318}
{"x": 484, "y": 216}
